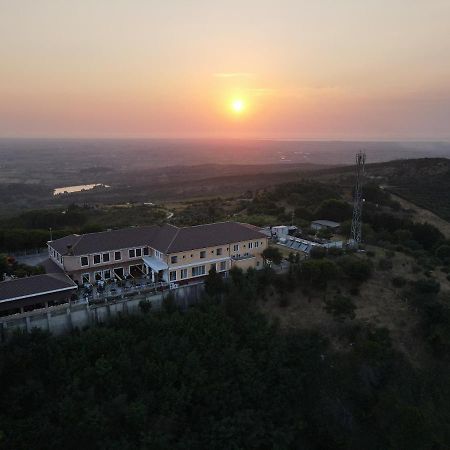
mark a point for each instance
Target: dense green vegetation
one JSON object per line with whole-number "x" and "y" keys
{"x": 9, "y": 266}
{"x": 31, "y": 229}
{"x": 221, "y": 376}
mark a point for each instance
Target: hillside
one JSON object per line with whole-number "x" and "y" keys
{"x": 424, "y": 182}
{"x": 343, "y": 350}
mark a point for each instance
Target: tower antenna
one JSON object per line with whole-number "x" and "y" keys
{"x": 355, "y": 237}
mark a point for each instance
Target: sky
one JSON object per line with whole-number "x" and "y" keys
{"x": 322, "y": 69}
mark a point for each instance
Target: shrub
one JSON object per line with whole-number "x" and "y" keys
{"x": 335, "y": 251}
{"x": 284, "y": 300}
{"x": 169, "y": 304}
{"x": 427, "y": 286}
{"x": 385, "y": 264}
{"x": 272, "y": 254}
{"x": 354, "y": 290}
{"x": 341, "y": 308}
{"x": 443, "y": 251}
{"x": 318, "y": 271}
{"x": 398, "y": 282}
{"x": 145, "y": 306}
{"x": 357, "y": 269}
{"x": 318, "y": 252}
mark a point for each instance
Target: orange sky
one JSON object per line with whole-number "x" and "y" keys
{"x": 134, "y": 68}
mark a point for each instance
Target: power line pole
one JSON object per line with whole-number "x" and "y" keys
{"x": 355, "y": 237}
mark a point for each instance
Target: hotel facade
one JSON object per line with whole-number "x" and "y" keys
{"x": 162, "y": 253}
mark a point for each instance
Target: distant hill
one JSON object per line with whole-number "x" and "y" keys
{"x": 423, "y": 181}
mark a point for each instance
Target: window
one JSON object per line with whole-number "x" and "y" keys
{"x": 145, "y": 251}
{"x": 132, "y": 253}
{"x": 107, "y": 274}
{"x": 85, "y": 278}
{"x": 256, "y": 244}
{"x": 173, "y": 275}
{"x": 158, "y": 254}
{"x": 105, "y": 257}
{"x": 98, "y": 276}
{"x": 202, "y": 254}
{"x": 250, "y": 245}
{"x": 183, "y": 273}
{"x": 218, "y": 251}
{"x": 84, "y": 261}
{"x": 223, "y": 265}
{"x": 96, "y": 259}
{"x": 174, "y": 259}
{"x": 235, "y": 247}
{"x": 118, "y": 256}
{"x": 198, "y": 270}
{"x": 138, "y": 252}
{"x": 212, "y": 267}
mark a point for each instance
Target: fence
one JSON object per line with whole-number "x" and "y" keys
{"x": 27, "y": 252}
{"x": 65, "y": 318}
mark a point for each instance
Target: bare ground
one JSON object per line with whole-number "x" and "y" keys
{"x": 378, "y": 303}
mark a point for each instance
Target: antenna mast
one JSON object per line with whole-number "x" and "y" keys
{"x": 355, "y": 238}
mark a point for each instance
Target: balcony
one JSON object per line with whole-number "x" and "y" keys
{"x": 242, "y": 257}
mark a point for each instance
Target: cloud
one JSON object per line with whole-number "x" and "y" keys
{"x": 262, "y": 91}
{"x": 233, "y": 75}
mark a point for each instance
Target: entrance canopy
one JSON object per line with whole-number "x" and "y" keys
{"x": 154, "y": 263}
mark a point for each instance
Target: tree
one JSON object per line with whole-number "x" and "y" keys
{"x": 318, "y": 252}
{"x": 325, "y": 233}
{"x": 272, "y": 254}
{"x": 334, "y": 209}
{"x": 214, "y": 283}
{"x": 145, "y": 306}
{"x": 318, "y": 272}
{"x": 427, "y": 286}
{"x": 341, "y": 308}
{"x": 357, "y": 269}
{"x": 426, "y": 234}
{"x": 443, "y": 251}
{"x": 169, "y": 304}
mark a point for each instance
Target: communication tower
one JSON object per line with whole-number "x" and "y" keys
{"x": 355, "y": 237}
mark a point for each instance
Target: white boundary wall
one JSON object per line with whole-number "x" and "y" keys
{"x": 65, "y": 318}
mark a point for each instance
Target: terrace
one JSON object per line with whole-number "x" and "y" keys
{"x": 115, "y": 290}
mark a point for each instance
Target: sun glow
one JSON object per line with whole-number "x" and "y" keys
{"x": 238, "y": 105}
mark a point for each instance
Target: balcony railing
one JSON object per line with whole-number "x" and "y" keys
{"x": 241, "y": 257}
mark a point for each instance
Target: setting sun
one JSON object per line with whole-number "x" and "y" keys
{"x": 238, "y": 105}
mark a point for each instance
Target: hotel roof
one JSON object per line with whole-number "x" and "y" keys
{"x": 34, "y": 286}
{"x": 167, "y": 238}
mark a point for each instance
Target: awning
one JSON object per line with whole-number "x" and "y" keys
{"x": 154, "y": 263}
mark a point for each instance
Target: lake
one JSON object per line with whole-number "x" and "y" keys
{"x": 78, "y": 188}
